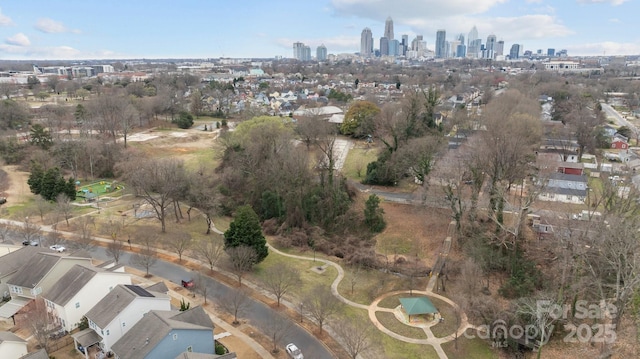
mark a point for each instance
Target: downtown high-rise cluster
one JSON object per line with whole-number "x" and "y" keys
{"x": 388, "y": 45}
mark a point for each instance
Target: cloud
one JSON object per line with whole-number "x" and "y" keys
{"x": 18, "y": 39}
{"x": 404, "y": 10}
{"x": 612, "y": 2}
{"x": 534, "y": 1}
{"x": 614, "y": 20}
{"x": 604, "y": 48}
{"x": 5, "y": 20}
{"x": 51, "y": 26}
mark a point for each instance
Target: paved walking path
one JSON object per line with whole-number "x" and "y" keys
{"x": 373, "y": 308}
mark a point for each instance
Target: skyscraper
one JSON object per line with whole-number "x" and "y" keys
{"x": 499, "y": 50}
{"x": 366, "y": 42}
{"x": 405, "y": 44}
{"x": 388, "y": 28}
{"x": 515, "y": 52}
{"x": 384, "y": 46}
{"x": 394, "y": 48}
{"x": 321, "y": 53}
{"x": 441, "y": 44}
{"x": 473, "y": 44}
{"x": 490, "y": 47}
{"x": 298, "y": 51}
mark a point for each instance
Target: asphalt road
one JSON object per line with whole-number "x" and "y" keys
{"x": 621, "y": 121}
{"x": 257, "y": 313}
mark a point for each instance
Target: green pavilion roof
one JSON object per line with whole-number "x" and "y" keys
{"x": 418, "y": 305}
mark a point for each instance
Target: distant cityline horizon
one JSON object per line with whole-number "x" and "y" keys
{"x": 443, "y": 49}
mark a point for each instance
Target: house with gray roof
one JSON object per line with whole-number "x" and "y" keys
{"x": 567, "y": 188}
{"x": 167, "y": 334}
{"x": 78, "y": 290}
{"x": 115, "y": 314}
{"x": 12, "y": 346}
{"x": 11, "y": 262}
{"x": 38, "y": 273}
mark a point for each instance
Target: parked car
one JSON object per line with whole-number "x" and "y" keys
{"x": 57, "y": 248}
{"x": 81, "y": 348}
{"x": 188, "y": 283}
{"x": 32, "y": 242}
{"x": 293, "y": 351}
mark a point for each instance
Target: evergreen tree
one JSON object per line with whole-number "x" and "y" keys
{"x": 35, "y": 179}
{"x": 49, "y": 184}
{"x": 245, "y": 230}
{"x": 374, "y": 215}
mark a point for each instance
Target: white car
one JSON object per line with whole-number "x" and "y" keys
{"x": 293, "y": 351}
{"x": 57, "y": 248}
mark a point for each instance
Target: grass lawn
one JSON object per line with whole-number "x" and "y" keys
{"x": 309, "y": 278}
{"x": 357, "y": 160}
{"x": 450, "y": 324}
{"x": 395, "y": 349}
{"x": 370, "y": 284}
{"x": 469, "y": 349}
{"x": 390, "y": 321}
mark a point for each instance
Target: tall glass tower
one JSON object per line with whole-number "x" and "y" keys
{"x": 366, "y": 42}
{"x": 441, "y": 44}
{"x": 388, "y": 28}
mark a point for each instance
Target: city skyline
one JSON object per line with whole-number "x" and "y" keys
{"x": 40, "y": 30}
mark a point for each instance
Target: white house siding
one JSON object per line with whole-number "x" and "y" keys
{"x": 128, "y": 318}
{"x": 87, "y": 297}
{"x": 12, "y": 350}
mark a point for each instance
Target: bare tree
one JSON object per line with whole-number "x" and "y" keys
{"x": 158, "y": 182}
{"x": 210, "y": 250}
{"x": 529, "y": 310}
{"x": 356, "y": 336}
{"x": 278, "y": 327}
{"x": 85, "y": 226}
{"x": 280, "y": 279}
{"x": 321, "y": 305}
{"x": 326, "y": 144}
{"x": 201, "y": 285}
{"x": 39, "y": 323}
{"x": 236, "y": 302}
{"x": 241, "y": 260}
{"x": 115, "y": 249}
{"x": 64, "y": 207}
{"x": 179, "y": 241}
{"x": 30, "y": 231}
{"x": 43, "y": 206}
{"x": 147, "y": 256}
{"x": 355, "y": 277}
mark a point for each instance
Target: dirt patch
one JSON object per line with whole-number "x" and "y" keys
{"x": 18, "y": 190}
{"x": 413, "y": 230}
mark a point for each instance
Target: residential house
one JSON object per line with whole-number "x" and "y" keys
{"x": 166, "y": 334}
{"x": 619, "y": 142}
{"x": 571, "y": 168}
{"x": 10, "y": 263}
{"x": 79, "y": 290}
{"x": 567, "y": 188}
{"x": 12, "y": 346}
{"x": 38, "y": 274}
{"x": 121, "y": 309}
{"x": 609, "y": 130}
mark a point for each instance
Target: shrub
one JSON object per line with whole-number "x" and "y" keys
{"x": 184, "y": 120}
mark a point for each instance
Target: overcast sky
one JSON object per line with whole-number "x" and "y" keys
{"x": 108, "y": 29}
